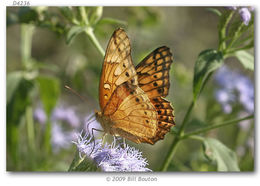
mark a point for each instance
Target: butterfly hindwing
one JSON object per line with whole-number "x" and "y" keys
{"x": 135, "y": 114}
{"x": 153, "y": 78}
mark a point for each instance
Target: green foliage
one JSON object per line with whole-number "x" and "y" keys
{"x": 215, "y": 11}
{"x": 246, "y": 59}
{"x": 49, "y": 88}
{"x": 83, "y": 164}
{"x": 12, "y": 82}
{"x": 207, "y": 62}
{"x": 18, "y": 100}
{"x": 218, "y": 153}
{"x": 73, "y": 31}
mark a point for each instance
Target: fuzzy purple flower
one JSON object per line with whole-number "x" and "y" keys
{"x": 245, "y": 15}
{"x": 66, "y": 114}
{"x": 234, "y": 88}
{"x": 60, "y": 138}
{"x": 39, "y": 115}
{"x": 65, "y": 124}
{"x": 111, "y": 157}
{"x": 244, "y": 12}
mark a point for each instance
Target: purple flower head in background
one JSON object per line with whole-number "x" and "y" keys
{"x": 60, "y": 138}
{"x": 111, "y": 157}
{"x": 39, "y": 115}
{"x": 244, "y": 125}
{"x": 244, "y": 12}
{"x": 245, "y": 15}
{"x": 234, "y": 88}
{"x": 65, "y": 124}
{"x": 66, "y": 114}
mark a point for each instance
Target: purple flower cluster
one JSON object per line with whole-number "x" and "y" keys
{"x": 65, "y": 126}
{"x": 244, "y": 12}
{"x": 112, "y": 157}
{"x": 234, "y": 88}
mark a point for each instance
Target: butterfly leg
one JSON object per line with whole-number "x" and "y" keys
{"x": 94, "y": 141}
{"x": 90, "y": 120}
{"x": 124, "y": 143}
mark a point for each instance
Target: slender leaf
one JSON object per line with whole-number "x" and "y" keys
{"x": 207, "y": 62}
{"x": 96, "y": 15}
{"x": 12, "y": 82}
{"x": 83, "y": 164}
{"x": 67, "y": 12}
{"x": 246, "y": 59}
{"x": 215, "y": 11}
{"x": 109, "y": 20}
{"x": 220, "y": 154}
{"x": 49, "y": 88}
{"x": 18, "y": 101}
{"x": 73, "y": 31}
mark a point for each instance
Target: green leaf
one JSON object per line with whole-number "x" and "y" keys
{"x": 73, "y": 31}
{"x": 96, "y": 15}
{"x": 246, "y": 59}
{"x": 225, "y": 18}
{"x": 235, "y": 28}
{"x": 108, "y": 20}
{"x": 207, "y": 62}
{"x": 83, "y": 164}
{"x": 67, "y": 12}
{"x": 49, "y": 88}
{"x": 12, "y": 82}
{"x": 220, "y": 154}
{"x": 215, "y": 11}
{"x": 19, "y": 99}
{"x": 27, "y": 15}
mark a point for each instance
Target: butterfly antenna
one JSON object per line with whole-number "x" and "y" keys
{"x": 77, "y": 94}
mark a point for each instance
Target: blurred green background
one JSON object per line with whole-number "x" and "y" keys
{"x": 186, "y": 30}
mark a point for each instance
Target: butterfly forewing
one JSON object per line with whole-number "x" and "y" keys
{"x": 117, "y": 67}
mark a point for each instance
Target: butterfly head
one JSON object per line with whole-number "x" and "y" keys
{"x": 105, "y": 121}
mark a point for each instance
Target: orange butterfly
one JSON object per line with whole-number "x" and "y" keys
{"x": 132, "y": 99}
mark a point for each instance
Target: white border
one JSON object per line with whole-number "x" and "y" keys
{"x": 93, "y": 179}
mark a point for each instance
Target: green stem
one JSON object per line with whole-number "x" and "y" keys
{"x": 174, "y": 144}
{"x": 206, "y": 129}
{"x": 47, "y": 137}
{"x": 246, "y": 47}
{"x": 26, "y": 44}
{"x": 30, "y": 134}
{"x": 199, "y": 138}
{"x": 186, "y": 117}
{"x": 90, "y": 33}
{"x": 84, "y": 15}
{"x": 30, "y": 128}
{"x": 222, "y": 32}
{"x": 235, "y": 38}
{"x": 170, "y": 154}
